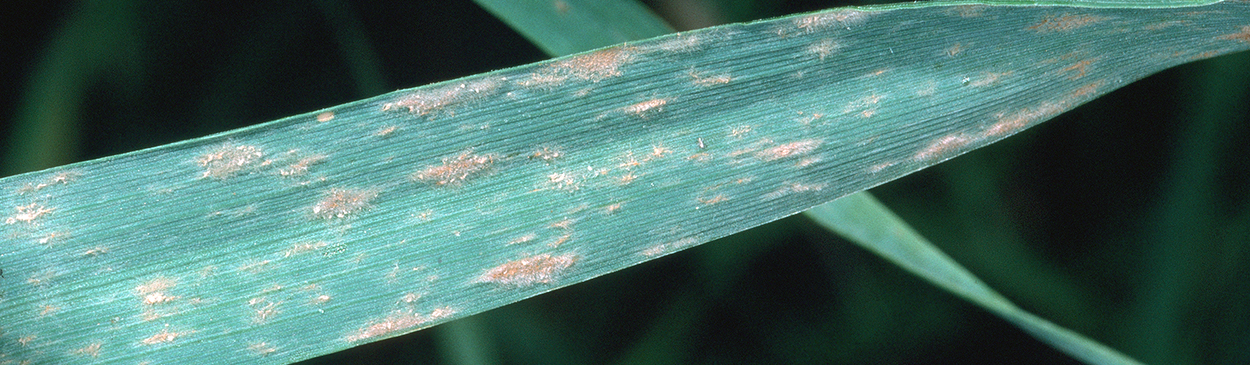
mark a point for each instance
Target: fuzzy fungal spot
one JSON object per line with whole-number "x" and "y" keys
{"x": 92, "y": 350}
{"x": 229, "y": 160}
{"x": 680, "y": 43}
{"x": 1077, "y": 70}
{"x": 1014, "y": 122}
{"x": 165, "y": 336}
{"x": 325, "y": 117}
{"x": 791, "y": 188}
{"x": 668, "y": 247}
{"x": 646, "y": 108}
{"x": 823, "y": 48}
{"x": 789, "y": 150}
{"x": 944, "y": 146}
{"x": 261, "y": 349}
{"x": 426, "y": 100}
{"x": 658, "y": 151}
{"x": 95, "y": 251}
{"x": 612, "y": 209}
{"x": 262, "y": 309}
{"x": 398, "y": 322}
{"x": 719, "y": 198}
{"x": 1243, "y": 35}
{"x": 60, "y": 178}
{"x": 1065, "y": 22}
{"x": 986, "y": 79}
{"x": 739, "y": 131}
{"x": 386, "y": 131}
{"x": 839, "y": 19}
{"x": 538, "y": 269}
{"x": 967, "y": 11}
{"x": 547, "y": 154}
{"x": 626, "y": 178}
{"x": 302, "y": 248}
{"x": 954, "y": 50}
{"x": 565, "y": 224}
{"x": 26, "y": 340}
{"x": 456, "y": 170}
{"x": 300, "y": 167}
{"x": 561, "y": 6}
{"x": 342, "y": 202}
{"x": 555, "y": 243}
{"x": 254, "y": 266}
{"x": 28, "y": 213}
{"x": 523, "y": 239}
{"x": 593, "y": 67}
{"x": 564, "y": 181}
{"x": 709, "y": 80}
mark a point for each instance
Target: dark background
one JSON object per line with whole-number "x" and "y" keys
{"x": 1126, "y": 219}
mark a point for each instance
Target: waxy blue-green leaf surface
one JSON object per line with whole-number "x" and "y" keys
{"x": 380, "y": 217}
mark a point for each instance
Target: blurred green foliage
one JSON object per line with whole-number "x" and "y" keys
{"x": 1126, "y": 219}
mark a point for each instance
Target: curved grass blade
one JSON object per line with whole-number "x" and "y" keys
{"x": 376, "y": 218}
{"x": 559, "y": 27}
{"x": 865, "y": 221}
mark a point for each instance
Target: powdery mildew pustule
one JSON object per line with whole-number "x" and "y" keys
{"x": 789, "y": 150}
{"x": 646, "y": 108}
{"x": 229, "y": 159}
{"x": 427, "y": 100}
{"x": 943, "y": 147}
{"x": 343, "y": 202}
{"x": 92, "y": 350}
{"x": 669, "y": 247}
{"x": 60, "y": 178}
{"x": 28, "y": 213}
{"x": 455, "y": 170}
{"x": 593, "y": 67}
{"x": 398, "y": 322}
{"x": 165, "y": 336}
{"x": 538, "y": 269}
{"x": 823, "y": 48}
{"x": 838, "y": 19}
{"x": 261, "y": 349}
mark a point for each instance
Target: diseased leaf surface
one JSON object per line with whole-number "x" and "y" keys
{"x": 376, "y": 218}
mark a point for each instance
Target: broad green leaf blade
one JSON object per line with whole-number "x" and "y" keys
{"x": 865, "y": 221}
{"x": 560, "y": 27}
{"x": 380, "y": 217}
{"x": 858, "y": 217}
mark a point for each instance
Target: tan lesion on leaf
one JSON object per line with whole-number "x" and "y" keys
{"x": 646, "y": 108}
{"x": 1077, "y": 70}
{"x": 229, "y": 159}
{"x": 837, "y": 19}
{"x": 60, "y": 178}
{"x": 428, "y": 100}
{"x": 1242, "y": 36}
{"x": 28, "y": 213}
{"x": 703, "y": 79}
{"x": 398, "y": 322}
{"x": 261, "y": 349}
{"x": 165, "y": 336}
{"x": 456, "y": 169}
{"x": 537, "y": 269}
{"x": 593, "y": 67}
{"x": 823, "y": 48}
{"x": 1064, "y": 22}
{"x": 791, "y": 149}
{"x": 92, "y": 350}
